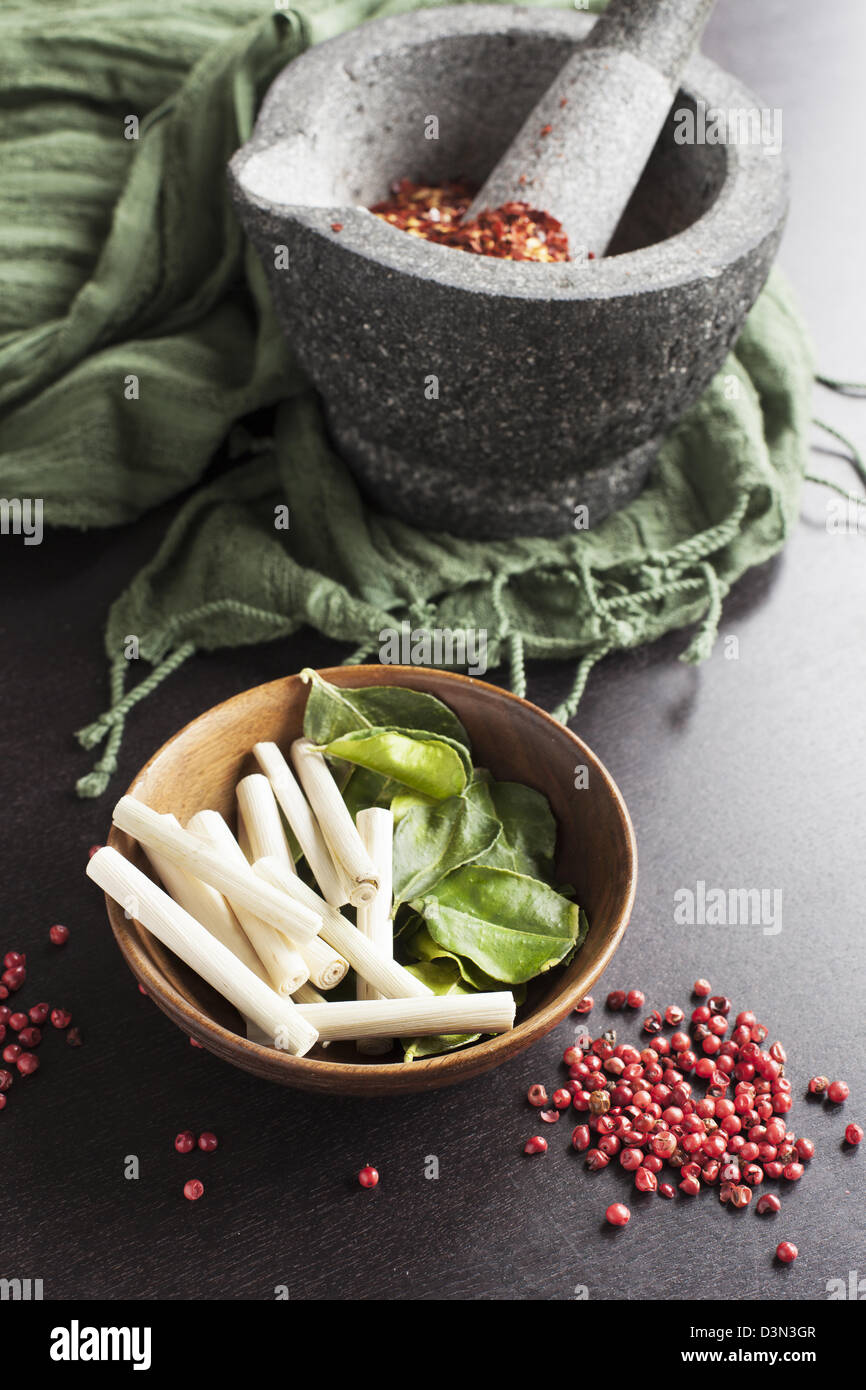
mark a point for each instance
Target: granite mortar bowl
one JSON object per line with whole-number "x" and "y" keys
{"x": 199, "y": 768}
{"x": 556, "y": 383}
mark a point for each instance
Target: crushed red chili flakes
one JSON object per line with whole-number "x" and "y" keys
{"x": 514, "y": 232}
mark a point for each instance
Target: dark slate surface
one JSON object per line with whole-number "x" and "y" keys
{"x": 745, "y": 773}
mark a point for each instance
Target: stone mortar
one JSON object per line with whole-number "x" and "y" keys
{"x": 556, "y": 382}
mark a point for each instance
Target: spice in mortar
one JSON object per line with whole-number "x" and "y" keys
{"x": 514, "y": 232}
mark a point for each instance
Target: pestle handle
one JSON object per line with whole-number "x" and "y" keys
{"x": 663, "y": 33}
{"x": 581, "y": 152}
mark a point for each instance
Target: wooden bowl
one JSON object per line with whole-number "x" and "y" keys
{"x": 200, "y": 767}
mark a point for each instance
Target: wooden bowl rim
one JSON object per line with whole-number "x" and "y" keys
{"x": 469, "y": 1061}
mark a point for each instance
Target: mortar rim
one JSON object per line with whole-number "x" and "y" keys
{"x": 748, "y": 208}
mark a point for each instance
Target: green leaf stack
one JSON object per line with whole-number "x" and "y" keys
{"x": 474, "y": 899}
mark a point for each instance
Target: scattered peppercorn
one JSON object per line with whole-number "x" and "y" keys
{"x": 854, "y": 1134}
{"x": 58, "y": 934}
{"x": 585, "y": 1005}
{"x": 617, "y": 1214}
{"x": 207, "y": 1142}
{"x": 786, "y": 1252}
{"x": 185, "y": 1141}
{"x": 837, "y": 1092}
{"x": 369, "y": 1177}
{"x": 768, "y": 1201}
{"x": 537, "y": 1144}
{"x": 193, "y": 1189}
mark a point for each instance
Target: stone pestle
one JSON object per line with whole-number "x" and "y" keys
{"x": 582, "y": 150}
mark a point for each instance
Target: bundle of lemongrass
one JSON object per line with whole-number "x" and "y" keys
{"x": 236, "y": 911}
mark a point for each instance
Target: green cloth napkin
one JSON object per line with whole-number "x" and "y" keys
{"x": 135, "y": 332}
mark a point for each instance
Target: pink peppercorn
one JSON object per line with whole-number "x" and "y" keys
{"x": 30, "y": 1037}
{"x": 60, "y": 1018}
{"x": 193, "y": 1189}
{"x": 768, "y": 1201}
{"x": 580, "y": 1138}
{"x": 805, "y": 1149}
{"x": 645, "y": 1180}
{"x": 666, "y": 1190}
{"x": 27, "y": 1063}
{"x": 854, "y": 1134}
{"x": 58, "y": 934}
{"x": 537, "y": 1095}
{"x": 701, "y": 988}
{"x": 207, "y": 1142}
{"x": 631, "y": 1159}
{"x": 585, "y": 1005}
{"x": 185, "y": 1141}
{"x": 617, "y": 1214}
{"x": 786, "y": 1252}
{"x": 616, "y": 999}
{"x": 690, "y": 1187}
{"x": 837, "y": 1092}
{"x": 537, "y": 1144}
{"x": 369, "y": 1176}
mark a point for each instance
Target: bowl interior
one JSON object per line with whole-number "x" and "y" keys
{"x": 480, "y": 88}
{"x": 200, "y": 767}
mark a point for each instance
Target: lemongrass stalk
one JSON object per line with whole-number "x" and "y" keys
{"x": 327, "y": 968}
{"x": 210, "y": 908}
{"x": 350, "y": 1020}
{"x": 259, "y": 814}
{"x": 376, "y": 829}
{"x": 236, "y": 881}
{"x": 335, "y": 821}
{"x": 303, "y": 823}
{"x": 286, "y": 968}
{"x": 150, "y": 905}
{"x": 244, "y": 841}
{"x": 308, "y": 995}
{"x": 305, "y": 995}
{"x": 260, "y": 824}
{"x": 371, "y": 964}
